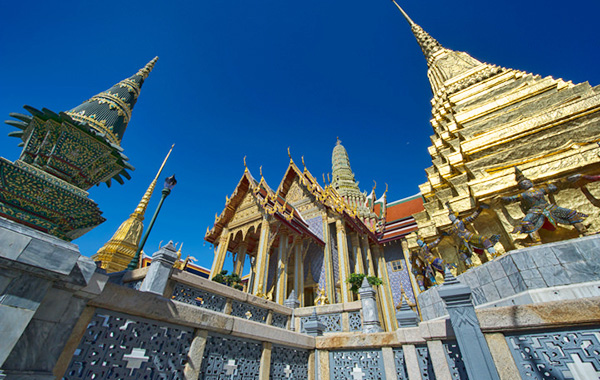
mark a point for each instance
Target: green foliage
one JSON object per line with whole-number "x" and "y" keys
{"x": 232, "y": 280}
{"x": 356, "y": 280}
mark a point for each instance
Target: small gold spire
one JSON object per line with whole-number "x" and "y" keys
{"x": 303, "y": 164}
{"x": 324, "y": 182}
{"x": 374, "y": 185}
{"x": 289, "y": 154}
{"x": 141, "y": 208}
{"x": 386, "y": 189}
{"x": 245, "y": 167}
{"x": 260, "y": 171}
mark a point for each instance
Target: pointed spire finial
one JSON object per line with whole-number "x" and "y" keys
{"x": 374, "y": 185}
{"x": 338, "y": 142}
{"x": 245, "y": 167}
{"x": 386, "y": 189}
{"x": 428, "y": 44}
{"x": 289, "y": 154}
{"x": 303, "y": 164}
{"x": 148, "y": 68}
{"x": 260, "y": 171}
{"x": 141, "y": 208}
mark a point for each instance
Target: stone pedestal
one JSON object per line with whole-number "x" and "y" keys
{"x": 406, "y": 317}
{"x": 369, "y": 308}
{"x": 293, "y": 303}
{"x": 473, "y": 346}
{"x": 313, "y": 326}
{"x": 45, "y": 284}
{"x": 160, "y": 269}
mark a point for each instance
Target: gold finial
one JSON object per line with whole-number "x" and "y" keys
{"x": 374, "y": 185}
{"x": 260, "y": 170}
{"x": 148, "y": 68}
{"x": 141, "y": 208}
{"x": 245, "y": 167}
{"x": 303, "y": 164}
{"x": 289, "y": 154}
{"x": 386, "y": 189}
{"x": 328, "y": 179}
{"x": 324, "y": 182}
{"x": 410, "y": 21}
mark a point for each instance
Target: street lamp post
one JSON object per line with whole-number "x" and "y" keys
{"x": 170, "y": 182}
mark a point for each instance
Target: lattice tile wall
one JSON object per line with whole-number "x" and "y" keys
{"x": 356, "y": 365}
{"x": 570, "y": 354}
{"x": 425, "y": 365}
{"x": 250, "y": 312}
{"x": 198, "y": 297}
{"x": 333, "y": 322}
{"x": 230, "y": 358}
{"x": 118, "y": 346}
{"x": 401, "y": 372}
{"x": 288, "y": 363}
{"x": 455, "y": 361}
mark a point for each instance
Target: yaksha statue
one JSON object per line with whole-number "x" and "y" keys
{"x": 539, "y": 213}
{"x": 425, "y": 264}
{"x": 471, "y": 242}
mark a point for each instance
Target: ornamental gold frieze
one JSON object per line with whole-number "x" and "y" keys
{"x": 483, "y": 88}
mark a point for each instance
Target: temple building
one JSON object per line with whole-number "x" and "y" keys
{"x": 311, "y": 238}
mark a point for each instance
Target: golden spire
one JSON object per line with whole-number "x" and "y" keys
{"x": 245, "y": 167}
{"x": 141, "y": 208}
{"x": 116, "y": 254}
{"x": 429, "y": 45}
{"x": 148, "y": 68}
{"x": 290, "y": 155}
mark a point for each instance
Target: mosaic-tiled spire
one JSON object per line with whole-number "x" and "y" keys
{"x": 343, "y": 178}
{"x": 109, "y": 112}
{"x": 428, "y": 44}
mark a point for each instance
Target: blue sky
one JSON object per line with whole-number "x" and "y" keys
{"x": 250, "y": 78}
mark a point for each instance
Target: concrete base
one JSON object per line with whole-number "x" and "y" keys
{"x": 44, "y": 285}
{"x": 549, "y": 272}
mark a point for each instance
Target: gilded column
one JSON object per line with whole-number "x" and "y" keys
{"x": 344, "y": 265}
{"x": 240, "y": 259}
{"x": 220, "y": 253}
{"x": 357, "y": 251}
{"x": 299, "y": 273}
{"x": 262, "y": 262}
{"x": 387, "y": 302}
{"x": 327, "y": 261}
{"x": 282, "y": 266}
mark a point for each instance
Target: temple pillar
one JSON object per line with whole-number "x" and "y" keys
{"x": 252, "y": 279}
{"x": 239, "y": 260}
{"x": 220, "y": 253}
{"x": 344, "y": 265}
{"x": 281, "y": 276}
{"x": 299, "y": 273}
{"x": 328, "y": 261}
{"x": 413, "y": 280}
{"x": 357, "y": 251}
{"x": 262, "y": 259}
{"x": 387, "y": 302}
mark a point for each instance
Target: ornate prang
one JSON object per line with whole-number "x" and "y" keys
{"x": 64, "y": 155}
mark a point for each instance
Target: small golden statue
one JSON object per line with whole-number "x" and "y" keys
{"x": 322, "y": 298}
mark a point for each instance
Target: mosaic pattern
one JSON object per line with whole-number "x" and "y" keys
{"x": 230, "y": 358}
{"x": 250, "y": 312}
{"x": 314, "y": 261}
{"x": 198, "y": 297}
{"x": 315, "y": 225}
{"x": 401, "y": 372}
{"x": 288, "y": 363}
{"x": 334, "y": 258}
{"x": 279, "y": 320}
{"x": 356, "y": 365}
{"x": 425, "y": 365}
{"x": 355, "y": 320}
{"x": 455, "y": 361}
{"x": 29, "y": 196}
{"x": 118, "y": 346}
{"x": 400, "y": 279}
{"x": 333, "y": 322}
{"x": 272, "y": 269}
{"x": 560, "y": 355}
